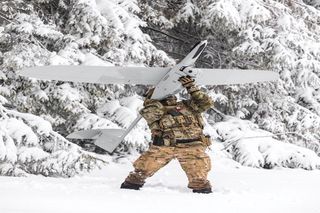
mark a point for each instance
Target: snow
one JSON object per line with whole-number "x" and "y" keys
{"x": 254, "y": 147}
{"x": 93, "y": 60}
{"x": 252, "y": 10}
{"x": 134, "y": 103}
{"x": 268, "y": 153}
{"x": 123, "y": 111}
{"x": 28, "y": 145}
{"x": 92, "y": 121}
{"x": 225, "y": 11}
{"x": 29, "y": 154}
{"x": 109, "y": 107}
{"x": 26, "y": 28}
{"x": 3, "y": 100}
{"x": 280, "y": 36}
{"x": 41, "y": 126}
{"x": 124, "y": 116}
{"x": 235, "y": 189}
{"x": 4, "y": 90}
{"x": 20, "y": 132}
{"x": 189, "y": 10}
{"x": 67, "y": 93}
{"x": 8, "y": 150}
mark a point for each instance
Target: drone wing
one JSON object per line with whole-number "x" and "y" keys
{"x": 97, "y": 74}
{"x": 233, "y": 76}
{"x": 143, "y": 75}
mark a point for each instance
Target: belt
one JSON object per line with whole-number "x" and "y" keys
{"x": 188, "y": 140}
{"x": 158, "y": 141}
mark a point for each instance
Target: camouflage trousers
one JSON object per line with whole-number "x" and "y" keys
{"x": 193, "y": 160}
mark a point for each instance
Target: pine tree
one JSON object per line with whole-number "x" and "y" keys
{"x": 277, "y": 35}
{"x": 52, "y": 32}
{"x": 280, "y": 36}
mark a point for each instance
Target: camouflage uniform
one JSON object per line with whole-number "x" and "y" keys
{"x": 177, "y": 132}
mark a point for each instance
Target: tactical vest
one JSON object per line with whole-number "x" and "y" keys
{"x": 180, "y": 122}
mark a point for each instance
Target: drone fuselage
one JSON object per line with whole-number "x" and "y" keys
{"x": 169, "y": 85}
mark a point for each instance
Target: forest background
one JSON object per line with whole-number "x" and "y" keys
{"x": 35, "y": 116}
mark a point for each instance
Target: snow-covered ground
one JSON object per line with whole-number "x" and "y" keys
{"x": 236, "y": 189}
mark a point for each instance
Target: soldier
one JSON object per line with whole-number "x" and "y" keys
{"x": 177, "y": 132}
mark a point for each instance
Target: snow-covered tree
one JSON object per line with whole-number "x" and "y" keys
{"x": 29, "y": 145}
{"x": 278, "y": 35}
{"x": 251, "y": 146}
{"x": 52, "y": 32}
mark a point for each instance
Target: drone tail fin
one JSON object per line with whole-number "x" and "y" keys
{"x": 107, "y": 139}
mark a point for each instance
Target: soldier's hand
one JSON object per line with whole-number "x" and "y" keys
{"x": 186, "y": 81}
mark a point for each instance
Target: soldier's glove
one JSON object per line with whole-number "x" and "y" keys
{"x": 187, "y": 81}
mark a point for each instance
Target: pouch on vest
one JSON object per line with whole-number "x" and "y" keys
{"x": 158, "y": 141}
{"x": 167, "y": 121}
{"x": 206, "y": 140}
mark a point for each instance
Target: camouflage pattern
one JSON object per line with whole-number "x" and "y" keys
{"x": 193, "y": 160}
{"x": 174, "y": 122}
{"x": 179, "y": 120}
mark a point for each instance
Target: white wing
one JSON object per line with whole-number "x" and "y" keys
{"x": 233, "y": 76}
{"x": 143, "y": 75}
{"x": 97, "y": 74}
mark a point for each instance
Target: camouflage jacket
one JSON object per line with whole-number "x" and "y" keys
{"x": 180, "y": 121}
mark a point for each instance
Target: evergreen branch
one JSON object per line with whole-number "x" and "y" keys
{"x": 32, "y": 36}
{"x": 192, "y": 36}
{"x": 166, "y": 34}
{"x": 99, "y": 56}
{"x": 263, "y": 136}
{"x": 2, "y": 16}
{"x": 224, "y": 116}
{"x": 37, "y": 41}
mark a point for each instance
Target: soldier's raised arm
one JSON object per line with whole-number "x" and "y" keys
{"x": 200, "y": 101}
{"x": 152, "y": 112}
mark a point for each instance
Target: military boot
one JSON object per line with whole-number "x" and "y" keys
{"x": 203, "y": 191}
{"x": 128, "y": 185}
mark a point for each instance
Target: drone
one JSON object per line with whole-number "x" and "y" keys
{"x": 164, "y": 80}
